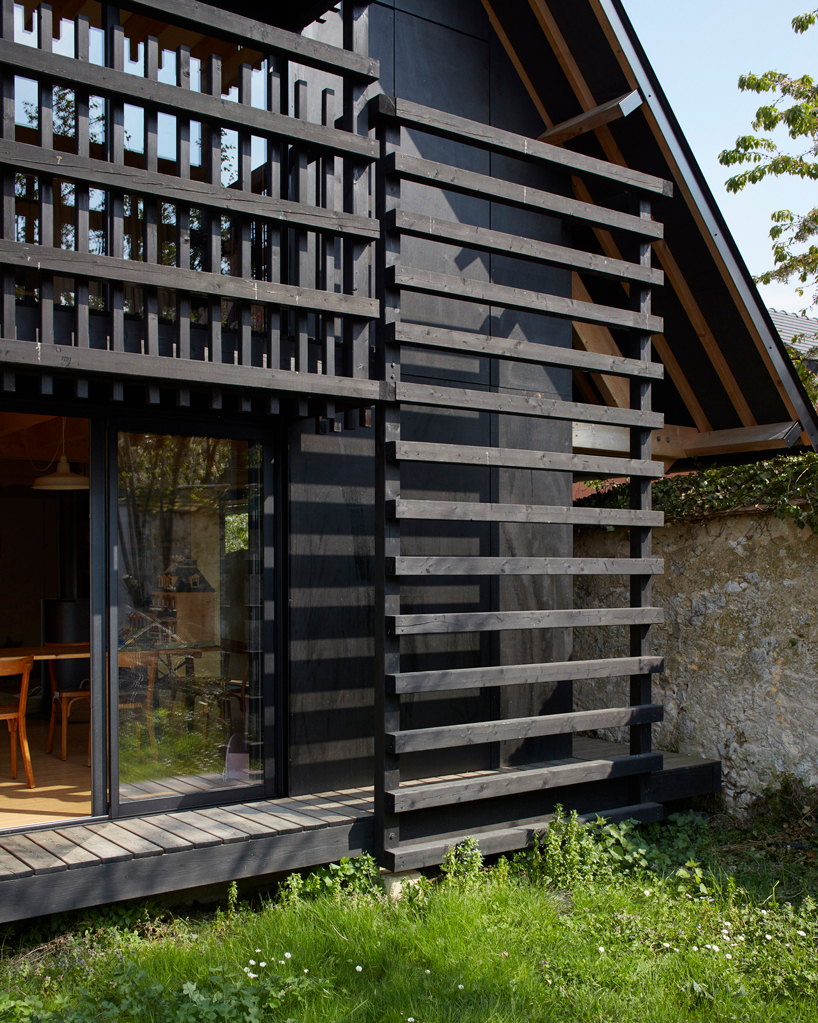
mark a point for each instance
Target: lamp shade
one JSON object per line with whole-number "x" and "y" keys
{"x": 61, "y": 479}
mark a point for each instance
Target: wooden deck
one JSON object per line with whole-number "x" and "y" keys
{"x": 72, "y": 866}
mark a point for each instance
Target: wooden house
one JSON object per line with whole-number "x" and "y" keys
{"x": 329, "y": 310}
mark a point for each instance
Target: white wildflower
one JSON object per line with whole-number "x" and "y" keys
{"x": 801, "y": 934}
{"x": 358, "y": 969}
{"x": 601, "y": 948}
{"x": 459, "y": 987}
{"x": 287, "y": 955}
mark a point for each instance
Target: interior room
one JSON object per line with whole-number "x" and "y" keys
{"x": 44, "y": 600}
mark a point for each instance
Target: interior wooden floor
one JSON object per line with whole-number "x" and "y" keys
{"x": 62, "y": 789}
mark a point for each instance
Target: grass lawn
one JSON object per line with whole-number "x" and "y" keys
{"x": 692, "y": 921}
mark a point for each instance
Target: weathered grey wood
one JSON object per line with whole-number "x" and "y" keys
{"x": 604, "y": 113}
{"x": 496, "y": 140}
{"x": 145, "y": 829}
{"x": 259, "y": 35}
{"x": 521, "y": 674}
{"x": 524, "y": 566}
{"x": 214, "y": 829}
{"x": 11, "y": 867}
{"x": 453, "y": 179}
{"x": 146, "y": 367}
{"x": 30, "y": 896}
{"x": 109, "y": 83}
{"x": 106, "y": 851}
{"x": 471, "y": 454}
{"x": 522, "y": 351}
{"x": 73, "y": 855}
{"x": 130, "y": 271}
{"x": 525, "y": 405}
{"x": 509, "y": 782}
{"x": 137, "y": 846}
{"x": 320, "y": 811}
{"x": 100, "y": 174}
{"x": 197, "y": 837}
{"x": 500, "y": 621}
{"x": 472, "y": 511}
{"x": 40, "y": 860}
{"x": 220, "y": 815}
{"x": 467, "y": 290}
{"x": 265, "y": 814}
{"x": 448, "y": 736}
{"x": 485, "y": 240}
{"x": 415, "y": 855}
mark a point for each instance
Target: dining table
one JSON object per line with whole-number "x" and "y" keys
{"x": 46, "y": 653}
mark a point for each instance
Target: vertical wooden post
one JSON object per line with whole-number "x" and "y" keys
{"x": 241, "y": 225}
{"x": 356, "y": 200}
{"x": 277, "y": 92}
{"x": 387, "y": 490}
{"x": 183, "y": 221}
{"x": 213, "y": 162}
{"x": 46, "y": 141}
{"x": 330, "y": 277}
{"x": 641, "y": 500}
{"x": 9, "y": 311}
{"x": 301, "y": 237}
{"x": 115, "y": 146}
{"x": 81, "y": 192}
{"x": 150, "y": 222}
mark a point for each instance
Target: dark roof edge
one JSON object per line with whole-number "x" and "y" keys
{"x": 694, "y": 180}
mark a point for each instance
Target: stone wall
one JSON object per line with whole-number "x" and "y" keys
{"x": 739, "y": 641}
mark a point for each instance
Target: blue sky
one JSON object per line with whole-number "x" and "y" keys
{"x": 698, "y": 48}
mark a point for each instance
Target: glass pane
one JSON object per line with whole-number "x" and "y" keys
{"x": 189, "y": 524}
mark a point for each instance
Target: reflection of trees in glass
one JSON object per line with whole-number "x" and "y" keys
{"x": 159, "y": 476}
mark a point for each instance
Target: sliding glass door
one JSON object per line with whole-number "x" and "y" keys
{"x": 187, "y": 608}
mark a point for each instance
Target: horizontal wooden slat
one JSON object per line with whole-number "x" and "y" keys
{"x": 485, "y": 240}
{"x": 472, "y": 511}
{"x": 110, "y": 84}
{"x": 449, "y": 736}
{"x": 431, "y": 283}
{"x": 510, "y": 782}
{"x": 523, "y": 566}
{"x": 516, "y": 404}
{"x": 464, "y": 182}
{"x": 522, "y": 351}
{"x": 131, "y": 271}
{"x": 414, "y": 855}
{"x": 258, "y": 35}
{"x": 483, "y": 136}
{"x": 503, "y": 621}
{"x": 173, "y": 372}
{"x": 136, "y": 180}
{"x": 520, "y": 674}
{"x": 471, "y": 454}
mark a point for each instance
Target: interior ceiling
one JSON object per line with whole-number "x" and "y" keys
{"x": 28, "y": 442}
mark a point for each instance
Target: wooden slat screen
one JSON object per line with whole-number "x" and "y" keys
{"x": 397, "y": 795}
{"x": 202, "y": 205}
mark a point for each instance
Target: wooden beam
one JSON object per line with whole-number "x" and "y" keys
{"x": 522, "y": 405}
{"x": 429, "y": 282}
{"x": 455, "y": 179}
{"x": 524, "y": 351}
{"x": 521, "y": 674}
{"x": 449, "y": 736}
{"x": 519, "y": 458}
{"x": 443, "y": 566}
{"x": 485, "y": 240}
{"x": 118, "y": 84}
{"x": 668, "y": 444}
{"x": 594, "y": 118}
{"x": 773, "y": 437}
{"x": 509, "y": 782}
{"x": 126, "y": 179}
{"x": 508, "y": 621}
{"x": 484, "y": 136}
{"x": 592, "y": 337}
{"x": 692, "y": 205}
{"x": 472, "y": 511}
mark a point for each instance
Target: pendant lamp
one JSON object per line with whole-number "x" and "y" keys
{"x": 62, "y": 478}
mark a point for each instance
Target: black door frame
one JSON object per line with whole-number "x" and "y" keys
{"x": 273, "y": 583}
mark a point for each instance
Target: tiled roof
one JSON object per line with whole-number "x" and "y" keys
{"x": 790, "y": 325}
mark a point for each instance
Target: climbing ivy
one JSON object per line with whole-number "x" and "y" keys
{"x": 785, "y": 486}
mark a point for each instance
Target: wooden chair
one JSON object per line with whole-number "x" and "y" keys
{"x": 62, "y": 700}
{"x": 137, "y": 698}
{"x": 16, "y": 716}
